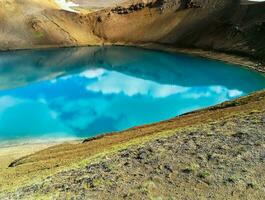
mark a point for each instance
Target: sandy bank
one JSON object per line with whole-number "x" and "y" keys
{"x": 11, "y": 153}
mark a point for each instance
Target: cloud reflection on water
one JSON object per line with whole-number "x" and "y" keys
{"x": 115, "y": 99}
{"x": 88, "y": 95}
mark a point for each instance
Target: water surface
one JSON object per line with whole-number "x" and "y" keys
{"x": 82, "y": 92}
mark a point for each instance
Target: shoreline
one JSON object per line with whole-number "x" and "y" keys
{"x": 13, "y": 150}
{"x": 9, "y": 154}
{"x": 26, "y": 148}
{"x": 243, "y": 61}
{"x": 35, "y": 141}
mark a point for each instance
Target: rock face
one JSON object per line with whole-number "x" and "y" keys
{"x": 227, "y": 26}
{"x": 222, "y": 25}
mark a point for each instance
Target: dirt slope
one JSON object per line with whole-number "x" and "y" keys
{"x": 223, "y": 25}
{"x": 33, "y": 24}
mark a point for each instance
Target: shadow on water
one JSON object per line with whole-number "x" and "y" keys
{"x": 23, "y": 67}
{"x": 81, "y": 92}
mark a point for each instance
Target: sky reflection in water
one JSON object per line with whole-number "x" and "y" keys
{"x": 82, "y": 92}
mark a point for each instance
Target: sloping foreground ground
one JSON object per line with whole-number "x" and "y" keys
{"x": 214, "y": 153}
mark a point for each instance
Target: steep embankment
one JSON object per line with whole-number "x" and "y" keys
{"x": 33, "y": 24}
{"x": 229, "y": 26}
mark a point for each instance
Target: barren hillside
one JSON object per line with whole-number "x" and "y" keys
{"x": 230, "y": 26}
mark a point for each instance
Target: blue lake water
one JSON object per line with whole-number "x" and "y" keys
{"x": 82, "y": 92}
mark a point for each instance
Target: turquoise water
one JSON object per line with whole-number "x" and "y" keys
{"x": 82, "y": 92}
